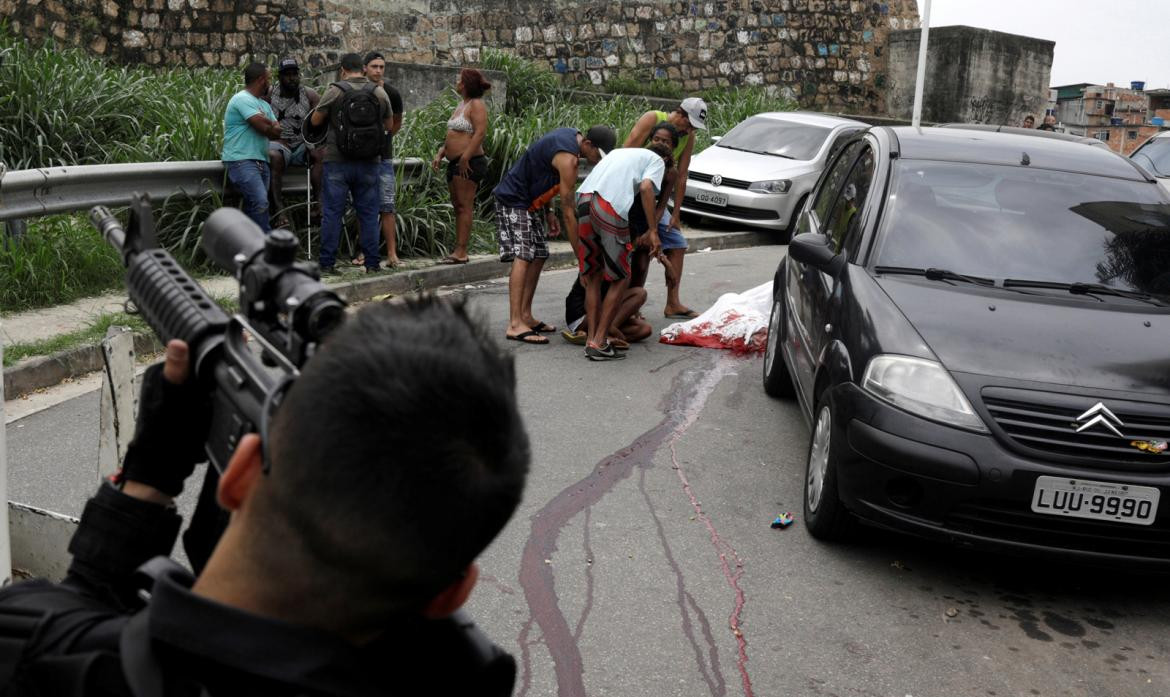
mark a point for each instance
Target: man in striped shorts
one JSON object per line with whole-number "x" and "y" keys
{"x": 547, "y": 169}
{"x": 614, "y": 205}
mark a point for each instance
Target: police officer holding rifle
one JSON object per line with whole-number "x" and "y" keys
{"x": 351, "y": 516}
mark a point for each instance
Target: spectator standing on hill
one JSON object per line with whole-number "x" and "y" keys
{"x": 466, "y": 162}
{"x": 691, "y": 114}
{"x": 607, "y": 202}
{"x": 248, "y": 124}
{"x": 548, "y": 168}
{"x": 375, "y": 69}
{"x": 292, "y": 104}
{"x": 359, "y": 114}
{"x": 664, "y": 134}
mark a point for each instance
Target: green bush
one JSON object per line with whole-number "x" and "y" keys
{"x": 63, "y": 107}
{"x": 58, "y": 257}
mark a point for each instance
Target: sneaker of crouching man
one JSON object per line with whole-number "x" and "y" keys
{"x": 627, "y": 180}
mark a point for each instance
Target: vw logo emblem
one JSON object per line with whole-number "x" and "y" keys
{"x": 716, "y": 180}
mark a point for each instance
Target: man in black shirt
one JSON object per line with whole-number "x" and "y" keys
{"x": 353, "y": 532}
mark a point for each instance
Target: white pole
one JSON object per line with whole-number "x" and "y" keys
{"x": 920, "y": 82}
{"x": 5, "y": 548}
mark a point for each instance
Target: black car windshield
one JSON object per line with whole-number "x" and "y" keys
{"x": 1026, "y": 223}
{"x": 1155, "y": 156}
{"x": 766, "y": 136}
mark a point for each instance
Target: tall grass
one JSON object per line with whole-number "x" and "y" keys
{"x": 59, "y": 257}
{"x": 63, "y": 107}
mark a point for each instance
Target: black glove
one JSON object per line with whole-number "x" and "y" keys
{"x": 173, "y": 423}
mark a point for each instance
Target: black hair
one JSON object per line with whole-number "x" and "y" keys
{"x": 666, "y": 126}
{"x": 371, "y": 57}
{"x": 254, "y": 72}
{"x": 397, "y": 456}
{"x": 351, "y": 63}
{"x": 664, "y": 152}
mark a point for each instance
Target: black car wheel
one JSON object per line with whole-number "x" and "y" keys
{"x": 824, "y": 515}
{"x": 777, "y": 381}
{"x": 786, "y": 233}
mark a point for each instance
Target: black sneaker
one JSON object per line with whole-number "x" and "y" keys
{"x": 605, "y": 353}
{"x": 329, "y": 271}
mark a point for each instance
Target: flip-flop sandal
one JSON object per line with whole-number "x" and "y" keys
{"x": 526, "y": 336}
{"x": 689, "y": 314}
{"x": 619, "y": 344}
{"x": 543, "y": 328}
{"x": 577, "y": 338}
{"x": 452, "y": 261}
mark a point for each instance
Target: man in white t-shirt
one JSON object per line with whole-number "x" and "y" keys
{"x": 607, "y": 220}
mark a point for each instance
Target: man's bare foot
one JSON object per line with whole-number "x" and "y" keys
{"x": 392, "y": 262}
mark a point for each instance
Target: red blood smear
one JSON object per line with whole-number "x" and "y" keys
{"x": 683, "y": 403}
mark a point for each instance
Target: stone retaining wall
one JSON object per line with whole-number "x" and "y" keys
{"x": 824, "y": 53}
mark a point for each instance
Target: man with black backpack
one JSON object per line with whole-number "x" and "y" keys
{"x": 359, "y": 115}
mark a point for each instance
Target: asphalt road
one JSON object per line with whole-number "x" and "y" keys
{"x": 642, "y": 562}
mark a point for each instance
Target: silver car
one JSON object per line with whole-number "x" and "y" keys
{"x": 1154, "y": 155}
{"x": 760, "y": 173}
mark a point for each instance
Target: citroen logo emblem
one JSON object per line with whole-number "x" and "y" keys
{"x": 716, "y": 180}
{"x": 1099, "y": 415}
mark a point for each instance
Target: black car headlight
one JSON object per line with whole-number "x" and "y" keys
{"x": 920, "y": 387}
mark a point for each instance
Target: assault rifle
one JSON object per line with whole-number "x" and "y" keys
{"x": 247, "y": 360}
{"x": 250, "y": 359}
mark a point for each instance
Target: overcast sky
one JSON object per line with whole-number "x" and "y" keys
{"x": 1111, "y": 41}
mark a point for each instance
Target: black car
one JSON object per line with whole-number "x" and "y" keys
{"x": 977, "y": 326}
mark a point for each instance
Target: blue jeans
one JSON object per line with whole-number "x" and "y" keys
{"x": 250, "y": 177}
{"x": 360, "y": 179}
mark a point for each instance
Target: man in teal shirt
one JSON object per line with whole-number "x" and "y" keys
{"x": 248, "y": 124}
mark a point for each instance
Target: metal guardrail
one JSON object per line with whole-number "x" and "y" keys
{"x": 31, "y": 193}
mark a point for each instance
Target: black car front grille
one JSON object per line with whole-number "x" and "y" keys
{"x": 726, "y": 181}
{"x": 732, "y": 211}
{"x": 1016, "y": 522}
{"x": 1046, "y": 424}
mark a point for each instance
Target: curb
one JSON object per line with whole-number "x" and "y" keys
{"x": 46, "y": 371}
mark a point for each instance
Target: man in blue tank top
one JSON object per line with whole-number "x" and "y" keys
{"x": 548, "y": 168}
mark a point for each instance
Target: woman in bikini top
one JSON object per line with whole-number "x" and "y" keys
{"x": 463, "y": 150}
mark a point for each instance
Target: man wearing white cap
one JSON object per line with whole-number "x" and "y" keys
{"x": 690, "y": 115}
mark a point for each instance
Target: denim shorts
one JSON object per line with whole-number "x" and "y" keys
{"x": 671, "y": 237}
{"x": 297, "y": 157}
{"x": 386, "y": 177}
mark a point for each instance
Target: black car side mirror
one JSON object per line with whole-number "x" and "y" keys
{"x": 816, "y": 250}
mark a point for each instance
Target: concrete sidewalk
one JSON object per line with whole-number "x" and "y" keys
{"x": 414, "y": 276}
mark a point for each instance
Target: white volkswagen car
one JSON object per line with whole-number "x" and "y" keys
{"x": 762, "y": 170}
{"x": 1154, "y": 155}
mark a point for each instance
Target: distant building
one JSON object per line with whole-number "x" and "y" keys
{"x": 1122, "y": 117}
